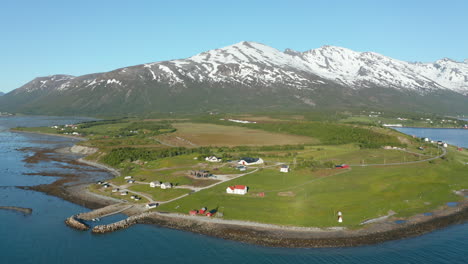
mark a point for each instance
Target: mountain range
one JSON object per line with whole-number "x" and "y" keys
{"x": 250, "y": 76}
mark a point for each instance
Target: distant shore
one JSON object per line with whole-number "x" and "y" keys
{"x": 49, "y": 134}
{"x": 430, "y": 127}
{"x": 266, "y": 234}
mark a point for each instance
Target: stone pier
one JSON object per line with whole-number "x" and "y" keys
{"x": 134, "y": 219}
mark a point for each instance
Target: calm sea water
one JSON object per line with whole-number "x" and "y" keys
{"x": 43, "y": 238}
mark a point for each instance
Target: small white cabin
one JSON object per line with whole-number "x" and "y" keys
{"x": 128, "y": 177}
{"x": 155, "y": 184}
{"x": 151, "y": 205}
{"x": 284, "y": 168}
{"x": 166, "y": 185}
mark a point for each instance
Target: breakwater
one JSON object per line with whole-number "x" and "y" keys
{"x": 134, "y": 219}
{"x": 76, "y": 223}
{"x": 18, "y": 209}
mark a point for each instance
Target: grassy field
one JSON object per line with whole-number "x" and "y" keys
{"x": 108, "y": 192}
{"x": 217, "y": 135}
{"x": 312, "y": 198}
{"x": 159, "y": 194}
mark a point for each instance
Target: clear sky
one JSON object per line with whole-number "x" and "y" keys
{"x": 40, "y": 38}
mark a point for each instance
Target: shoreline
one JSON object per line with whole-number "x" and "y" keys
{"x": 268, "y": 234}
{"x": 50, "y": 134}
{"x": 461, "y": 128}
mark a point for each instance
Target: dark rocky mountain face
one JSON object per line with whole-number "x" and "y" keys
{"x": 249, "y": 76}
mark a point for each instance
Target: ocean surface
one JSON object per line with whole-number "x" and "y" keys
{"x": 42, "y": 237}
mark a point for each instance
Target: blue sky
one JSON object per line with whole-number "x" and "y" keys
{"x": 40, "y": 38}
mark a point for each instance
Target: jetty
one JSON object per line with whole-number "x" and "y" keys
{"x": 79, "y": 221}
{"x": 134, "y": 219}
{"x": 17, "y": 209}
{"x": 104, "y": 211}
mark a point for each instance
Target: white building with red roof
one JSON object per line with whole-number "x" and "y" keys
{"x": 237, "y": 189}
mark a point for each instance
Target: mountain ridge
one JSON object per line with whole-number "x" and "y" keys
{"x": 316, "y": 78}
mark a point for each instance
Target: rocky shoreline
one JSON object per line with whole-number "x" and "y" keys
{"x": 374, "y": 234}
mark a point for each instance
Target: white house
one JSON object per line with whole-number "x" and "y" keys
{"x": 445, "y": 145}
{"x": 123, "y": 193}
{"x": 284, "y": 168}
{"x": 213, "y": 159}
{"x": 127, "y": 177}
{"x": 426, "y": 139}
{"x": 237, "y": 189}
{"x": 154, "y": 184}
{"x": 151, "y": 205}
{"x": 166, "y": 185}
{"x": 250, "y": 161}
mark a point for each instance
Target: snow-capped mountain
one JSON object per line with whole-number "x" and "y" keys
{"x": 252, "y": 69}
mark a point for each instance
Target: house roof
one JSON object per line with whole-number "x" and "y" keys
{"x": 284, "y": 166}
{"x": 167, "y": 183}
{"x": 250, "y": 160}
{"x": 238, "y": 187}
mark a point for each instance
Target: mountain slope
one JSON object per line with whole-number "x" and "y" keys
{"x": 251, "y": 76}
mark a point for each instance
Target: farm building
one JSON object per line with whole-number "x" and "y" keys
{"x": 193, "y": 212}
{"x": 250, "y": 161}
{"x": 284, "y": 168}
{"x": 213, "y": 159}
{"x": 237, "y": 189}
{"x": 131, "y": 181}
{"x": 151, "y": 205}
{"x": 166, "y": 185}
{"x": 154, "y": 184}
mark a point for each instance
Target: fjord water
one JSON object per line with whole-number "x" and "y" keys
{"x": 42, "y": 237}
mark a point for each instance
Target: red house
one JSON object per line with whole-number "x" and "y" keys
{"x": 202, "y": 211}
{"x": 193, "y": 212}
{"x": 209, "y": 214}
{"x": 460, "y": 149}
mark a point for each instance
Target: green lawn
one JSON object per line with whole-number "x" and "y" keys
{"x": 158, "y": 193}
{"x": 312, "y": 198}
